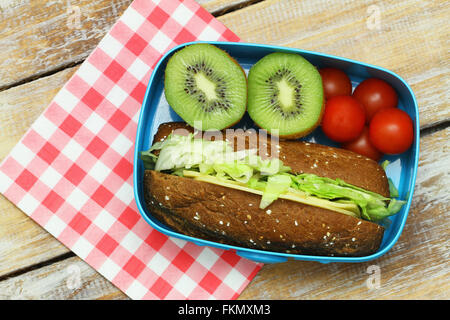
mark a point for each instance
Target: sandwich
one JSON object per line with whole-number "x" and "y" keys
{"x": 246, "y": 189}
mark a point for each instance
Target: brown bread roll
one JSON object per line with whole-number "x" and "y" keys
{"x": 231, "y": 216}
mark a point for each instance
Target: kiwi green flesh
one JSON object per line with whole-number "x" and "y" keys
{"x": 206, "y": 87}
{"x": 285, "y": 94}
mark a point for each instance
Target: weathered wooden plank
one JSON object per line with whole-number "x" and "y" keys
{"x": 219, "y": 7}
{"x": 38, "y": 37}
{"x": 410, "y": 38}
{"x": 19, "y": 239}
{"x": 415, "y": 268}
{"x": 68, "y": 279}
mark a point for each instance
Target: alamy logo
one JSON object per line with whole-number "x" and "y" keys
{"x": 373, "y": 22}
{"x": 374, "y": 279}
{"x": 74, "y": 17}
{"x": 73, "y": 280}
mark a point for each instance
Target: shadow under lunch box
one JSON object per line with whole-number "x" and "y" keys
{"x": 402, "y": 169}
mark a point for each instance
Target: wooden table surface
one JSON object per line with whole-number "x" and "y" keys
{"x": 39, "y": 52}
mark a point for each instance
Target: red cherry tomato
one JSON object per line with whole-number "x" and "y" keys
{"x": 363, "y": 146}
{"x": 343, "y": 119}
{"x": 391, "y": 131}
{"x": 375, "y": 94}
{"x": 335, "y": 82}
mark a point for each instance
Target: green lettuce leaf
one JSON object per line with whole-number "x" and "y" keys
{"x": 270, "y": 166}
{"x": 373, "y": 205}
{"x": 236, "y": 171}
{"x": 276, "y": 185}
{"x": 148, "y": 159}
{"x": 256, "y": 183}
{"x": 384, "y": 164}
{"x": 393, "y": 191}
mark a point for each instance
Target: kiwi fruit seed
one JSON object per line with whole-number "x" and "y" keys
{"x": 285, "y": 93}
{"x": 206, "y": 87}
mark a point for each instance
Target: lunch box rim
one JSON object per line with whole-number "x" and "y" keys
{"x": 256, "y": 254}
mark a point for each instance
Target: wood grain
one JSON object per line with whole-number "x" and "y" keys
{"x": 218, "y": 7}
{"x": 39, "y": 37}
{"x": 321, "y": 26}
{"x": 68, "y": 279}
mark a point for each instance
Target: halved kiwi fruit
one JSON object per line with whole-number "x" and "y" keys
{"x": 285, "y": 94}
{"x": 206, "y": 87}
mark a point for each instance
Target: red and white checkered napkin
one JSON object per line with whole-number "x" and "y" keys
{"x": 72, "y": 171}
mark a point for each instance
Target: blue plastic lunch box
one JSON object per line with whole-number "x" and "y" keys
{"x": 402, "y": 168}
